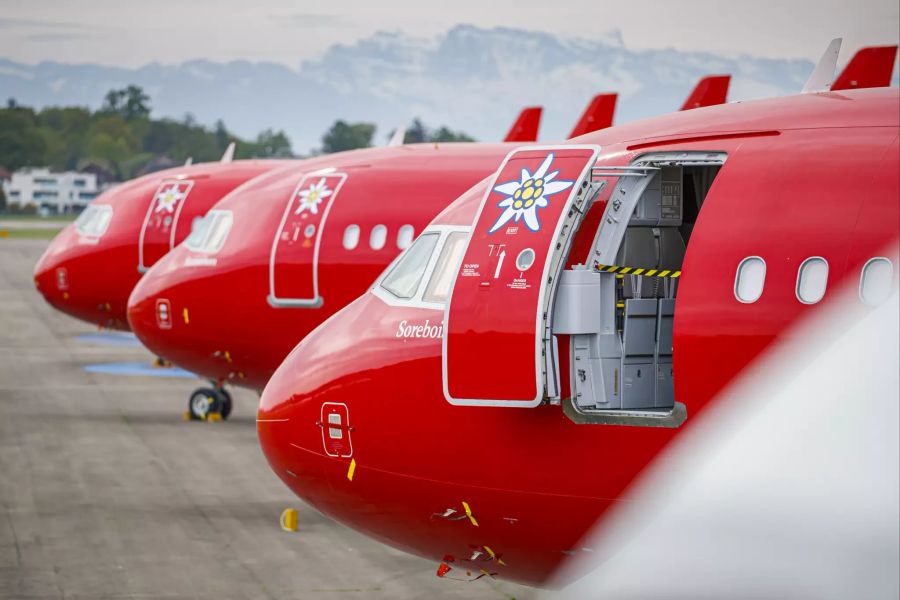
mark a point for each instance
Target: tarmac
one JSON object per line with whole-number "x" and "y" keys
{"x": 107, "y": 493}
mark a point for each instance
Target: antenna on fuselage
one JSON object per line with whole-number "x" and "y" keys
{"x": 398, "y": 137}
{"x": 823, "y": 74}
{"x": 229, "y": 154}
{"x": 189, "y": 161}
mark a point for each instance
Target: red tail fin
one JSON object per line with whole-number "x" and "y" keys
{"x": 709, "y": 91}
{"x": 598, "y": 115}
{"x": 869, "y": 67}
{"x": 525, "y": 129}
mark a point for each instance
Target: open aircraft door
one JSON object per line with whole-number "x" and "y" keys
{"x": 497, "y": 346}
{"x": 294, "y": 260}
{"x": 157, "y": 235}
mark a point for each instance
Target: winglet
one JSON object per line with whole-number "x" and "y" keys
{"x": 709, "y": 91}
{"x": 229, "y": 154}
{"x": 870, "y": 67}
{"x": 598, "y": 115}
{"x": 525, "y": 129}
{"x": 823, "y": 74}
{"x": 398, "y": 137}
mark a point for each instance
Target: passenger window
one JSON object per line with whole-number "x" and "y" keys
{"x": 405, "y": 236}
{"x": 446, "y": 267}
{"x": 750, "y": 279}
{"x": 403, "y": 280}
{"x": 378, "y": 237}
{"x": 351, "y": 237}
{"x": 812, "y": 279}
{"x": 875, "y": 281}
{"x": 94, "y": 220}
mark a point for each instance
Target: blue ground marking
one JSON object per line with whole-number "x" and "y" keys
{"x": 110, "y": 338}
{"x": 138, "y": 369}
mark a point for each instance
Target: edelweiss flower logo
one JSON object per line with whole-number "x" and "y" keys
{"x": 312, "y": 197}
{"x": 526, "y": 196}
{"x": 167, "y": 198}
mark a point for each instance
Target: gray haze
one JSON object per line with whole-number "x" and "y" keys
{"x": 469, "y": 65}
{"x": 112, "y": 32}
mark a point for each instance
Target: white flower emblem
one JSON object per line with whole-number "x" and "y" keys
{"x": 167, "y": 198}
{"x": 530, "y": 193}
{"x": 312, "y": 197}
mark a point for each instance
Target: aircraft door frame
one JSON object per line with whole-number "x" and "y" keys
{"x": 316, "y": 300}
{"x": 152, "y": 208}
{"x": 482, "y": 280}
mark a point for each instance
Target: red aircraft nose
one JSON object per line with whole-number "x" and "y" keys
{"x": 191, "y": 315}
{"x": 351, "y": 422}
{"x": 87, "y": 278}
{"x": 158, "y": 315}
{"x": 308, "y": 433}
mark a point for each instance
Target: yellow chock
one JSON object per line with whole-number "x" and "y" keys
{"x": 187, "y": 415}
{"x": 289, "y": 520}
{"x": 214, "y": 416}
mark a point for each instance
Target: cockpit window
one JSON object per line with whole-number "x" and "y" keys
{"x": 94, "y": 220}
{"x": 403, "y": 280}
{"x": 445, "y": 270}
{"x": 208, "y": 234}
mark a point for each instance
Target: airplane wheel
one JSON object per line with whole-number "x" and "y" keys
{"x": 202, "y": 402}
{"x": 225, "y": 402}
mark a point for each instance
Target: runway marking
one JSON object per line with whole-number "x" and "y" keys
{"x": 137, "y": 369}
{"x": 110, "y": 338}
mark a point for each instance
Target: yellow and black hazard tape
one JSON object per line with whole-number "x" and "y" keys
{"x": 669, "y": 274}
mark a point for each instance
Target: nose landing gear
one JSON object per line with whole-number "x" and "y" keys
{"x": 213, "y": 403}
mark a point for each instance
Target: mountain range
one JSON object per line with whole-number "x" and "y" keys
{"x": 471, "y": 79}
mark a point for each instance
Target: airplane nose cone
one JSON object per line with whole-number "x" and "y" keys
{"x": 174, "y": 312}
{"x": 51, "y": 275}
{"x": 83, "y": 282}
{"x": 152, "y": 311}
{"x": 290, "y": 431}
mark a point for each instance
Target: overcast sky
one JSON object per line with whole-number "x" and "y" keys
{"x": 131, "y": 33}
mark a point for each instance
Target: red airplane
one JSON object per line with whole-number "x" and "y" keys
{"x": 90, "y": 268}
{"x": 294, "y": 268}
{"x": 92, "y": 265}
{"x": 503, "y": 383}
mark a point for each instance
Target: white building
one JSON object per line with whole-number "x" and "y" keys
{"x": 53, "y": 193}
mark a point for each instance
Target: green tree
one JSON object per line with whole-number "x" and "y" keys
{"x": 64, "y": 130}
{"x": 21, "y": 143}
{"x": 223, "y": 138}
{"x": 275, "y": 144}
{"x": 446, "y": 135}
{"x": 416, "y": 133}
{"x": 123, "y": 139}
{"x": 130, "y": 102}
{"x": 347, "y": 136}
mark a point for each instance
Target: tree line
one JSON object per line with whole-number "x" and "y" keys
{"x": 123, "y": 139}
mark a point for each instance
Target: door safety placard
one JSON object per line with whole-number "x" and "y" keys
{"x": 158, "y": 230}
{"x": 493, "y": 319}
{"x": 293, "y": 263}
